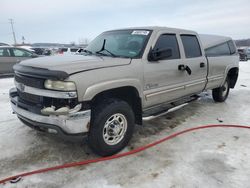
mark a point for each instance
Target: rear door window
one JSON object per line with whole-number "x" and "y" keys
{"x": 191, "y": 46}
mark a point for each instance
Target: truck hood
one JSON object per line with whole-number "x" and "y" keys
{"x": 74, "y": 63}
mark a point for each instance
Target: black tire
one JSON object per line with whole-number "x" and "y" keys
{"x": 103, "y": 113}
{"x": 220, "y": 94}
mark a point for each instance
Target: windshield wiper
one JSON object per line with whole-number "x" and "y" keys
{"x": 104, "y": 49}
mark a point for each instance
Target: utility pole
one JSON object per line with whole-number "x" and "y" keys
{"x": 23, "y": 39}
{"x": 13, "y": 32}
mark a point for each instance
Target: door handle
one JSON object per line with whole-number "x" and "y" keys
{"x": 185, "y": 68}
{"x": 202, "y": 65}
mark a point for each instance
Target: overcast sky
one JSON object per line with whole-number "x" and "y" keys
{"x": 66, "y": 21}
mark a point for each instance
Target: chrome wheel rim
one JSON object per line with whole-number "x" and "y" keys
{"x": 115, "y": 129}
{"x": 224, "y": 89}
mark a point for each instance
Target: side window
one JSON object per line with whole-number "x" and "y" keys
{"x": 191, "y": 46}
{"x": 219, "y": 50}
{"x": 21, "y": 53}
{"x": 4, "y": 52}
{"x": 168, "y": 41}
{"x": 231, "y": 47}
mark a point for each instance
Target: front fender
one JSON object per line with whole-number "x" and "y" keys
{"x": 93, "y": 90}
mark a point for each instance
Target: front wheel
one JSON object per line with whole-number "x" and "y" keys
{"x": 111, "y": 127}
{"x": 220, "y": 94}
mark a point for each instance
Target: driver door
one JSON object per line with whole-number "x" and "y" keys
{"x": 163, "y": 82}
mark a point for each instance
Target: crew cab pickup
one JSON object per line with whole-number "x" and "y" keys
{"x": 123, "y": 77}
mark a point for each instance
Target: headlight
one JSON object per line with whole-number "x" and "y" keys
{"x": 60, "y": 85}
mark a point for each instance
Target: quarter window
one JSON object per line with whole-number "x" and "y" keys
{"x": 168, "y": 41}
{"x": 191, "y": 46}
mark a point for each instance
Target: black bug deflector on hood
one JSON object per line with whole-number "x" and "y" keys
{"x": 40, "y": 72}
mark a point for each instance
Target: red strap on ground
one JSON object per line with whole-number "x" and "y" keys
{"x": 85, "y": 162}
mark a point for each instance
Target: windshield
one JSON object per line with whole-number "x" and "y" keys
{"x": 120, "y": 43}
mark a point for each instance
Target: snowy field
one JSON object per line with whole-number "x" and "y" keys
{"x": 207, "y": 158}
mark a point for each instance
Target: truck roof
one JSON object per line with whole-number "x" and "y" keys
{"x": 206, "y": 40}
{"x": 160, "y": 28}
{"x": 212, "y": 40}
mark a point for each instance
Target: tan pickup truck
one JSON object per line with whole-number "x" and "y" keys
{"x": 123, "y": 77}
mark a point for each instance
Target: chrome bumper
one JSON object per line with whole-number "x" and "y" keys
{"x": 71, "y": 124}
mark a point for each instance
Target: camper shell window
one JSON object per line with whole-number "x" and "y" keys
{"x": 224, "y": 49}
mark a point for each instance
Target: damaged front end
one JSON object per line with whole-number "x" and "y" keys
{"x": 56, "y": 111}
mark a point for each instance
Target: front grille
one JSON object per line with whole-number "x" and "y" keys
{"x": 29, "y": 97}
{"x": 37, "y": 101}
{"x": 30, "y": 81}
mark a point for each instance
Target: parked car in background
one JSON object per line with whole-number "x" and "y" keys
{"x": 67, "y": 51}
{"x": 42, "y": 51}
{"x": 26, "y": 47}
{"x": 38, "y": 51}
{"x": 248, "y": 53}
{"x": 242, "y": 54}
{"x": 80, "y": 51}
{"x": 3, "y": 44}
{"x": 10, "y": 56}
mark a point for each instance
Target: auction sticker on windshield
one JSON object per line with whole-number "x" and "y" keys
{"x": 140, "y": 32}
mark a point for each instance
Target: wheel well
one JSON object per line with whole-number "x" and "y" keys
{"x": 233, "y": 76}
{"x": 128, "y": 94}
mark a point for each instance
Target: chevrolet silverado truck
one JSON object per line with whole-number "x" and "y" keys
{"x": 122, "y": 78}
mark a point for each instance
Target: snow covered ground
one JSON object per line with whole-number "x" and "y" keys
{"x": 207, "y": 158}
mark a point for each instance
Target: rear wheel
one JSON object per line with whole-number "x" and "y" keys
{"x": 220, "y": 94}
{"x": 111, "y": 127}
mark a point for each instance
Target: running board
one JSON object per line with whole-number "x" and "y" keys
{"x": 168, "y": 108}
{"x": 164, "y": 113}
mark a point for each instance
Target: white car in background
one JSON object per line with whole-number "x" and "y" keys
{"x": 67, "y": 51}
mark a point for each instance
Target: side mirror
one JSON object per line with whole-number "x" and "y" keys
{"x": 156, "y": 54}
